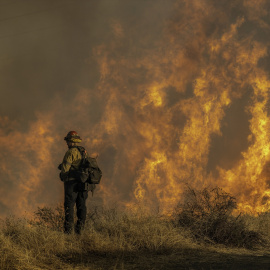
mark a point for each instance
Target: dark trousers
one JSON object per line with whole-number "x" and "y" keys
{"x": 74, "y": 194}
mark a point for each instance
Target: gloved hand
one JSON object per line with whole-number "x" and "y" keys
{"x": 63, "y": 176}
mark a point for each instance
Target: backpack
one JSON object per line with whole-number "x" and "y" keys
{"x": 89, "y": 172}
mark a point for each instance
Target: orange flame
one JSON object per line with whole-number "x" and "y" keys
{"x": 155, "y": 112}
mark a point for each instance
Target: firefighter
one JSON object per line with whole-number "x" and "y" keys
{"x": 74, "y": 191}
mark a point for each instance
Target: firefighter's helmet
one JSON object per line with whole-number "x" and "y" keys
{"x": 73, "y": 136}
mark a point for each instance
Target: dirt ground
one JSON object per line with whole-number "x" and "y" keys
{"x": 184, "y": 259}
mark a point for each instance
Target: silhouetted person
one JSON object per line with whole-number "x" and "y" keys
{"x": 74, "y": 189}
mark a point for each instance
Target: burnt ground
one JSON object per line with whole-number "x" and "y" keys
{"x": 184, "y": 259}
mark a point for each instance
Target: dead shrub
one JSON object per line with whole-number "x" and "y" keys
{"x": 208, "y": 215}
{"x": 52, "y": 218}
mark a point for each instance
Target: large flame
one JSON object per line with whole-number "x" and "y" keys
{"x": 156, "y": 110}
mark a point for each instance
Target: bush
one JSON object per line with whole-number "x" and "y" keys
{"x": 208, "y": 215}
{"x": 49, "y": 217}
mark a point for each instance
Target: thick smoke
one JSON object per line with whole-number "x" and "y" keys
{"x": 167, "y": 92}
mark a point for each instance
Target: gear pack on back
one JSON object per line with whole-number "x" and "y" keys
{"x": 89, "y": 171}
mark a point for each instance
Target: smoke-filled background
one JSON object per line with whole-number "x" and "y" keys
{"x": 168, "y": 92}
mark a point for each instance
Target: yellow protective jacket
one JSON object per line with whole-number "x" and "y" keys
{"x": 71, "y": 163}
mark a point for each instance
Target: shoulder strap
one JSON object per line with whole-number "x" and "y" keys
{"x": 82, "y": 151}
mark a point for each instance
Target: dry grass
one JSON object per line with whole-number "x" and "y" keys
{"x": 40, "y": 243}
{"x": 124, "y": 240}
